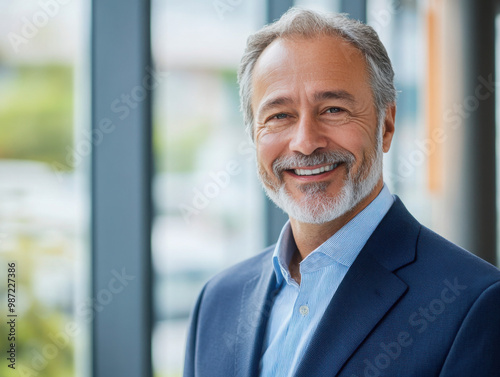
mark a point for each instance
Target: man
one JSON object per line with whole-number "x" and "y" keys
{"x": 355, "y": 286}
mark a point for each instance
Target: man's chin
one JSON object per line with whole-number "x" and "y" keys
{"x": 312, "y": 207}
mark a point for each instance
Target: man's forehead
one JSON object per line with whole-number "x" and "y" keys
{"x": 283, "y": 48}
{"x": 317, "y": 63}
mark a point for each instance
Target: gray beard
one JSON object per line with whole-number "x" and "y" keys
{"x": 316, "y": 206}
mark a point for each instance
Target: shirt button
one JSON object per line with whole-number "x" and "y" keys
{"x": 304, "y": 310}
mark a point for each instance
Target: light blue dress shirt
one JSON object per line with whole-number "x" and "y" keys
{"x": 298, "y": 309}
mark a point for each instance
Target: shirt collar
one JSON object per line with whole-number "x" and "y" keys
{"x": 343, "y": 247}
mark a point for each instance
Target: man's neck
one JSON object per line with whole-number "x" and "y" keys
{"x": 308, "y": 237}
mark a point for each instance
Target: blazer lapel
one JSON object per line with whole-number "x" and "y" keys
{"x": 256, "y": 301}
{"x": 369, "y": 290}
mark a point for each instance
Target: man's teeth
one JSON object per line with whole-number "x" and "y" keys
{"x": 315, "y": 171}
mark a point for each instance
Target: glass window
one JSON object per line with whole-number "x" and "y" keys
{"x": 207, "y": 199}
{"x": 400, "y": 25}
{"x": 427, "y": 165}
{"x": 43, "y": 187}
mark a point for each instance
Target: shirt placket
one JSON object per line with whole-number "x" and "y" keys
{"x": 300, "y": 319}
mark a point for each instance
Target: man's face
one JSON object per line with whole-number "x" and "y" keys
{"x": 319, "y": 150}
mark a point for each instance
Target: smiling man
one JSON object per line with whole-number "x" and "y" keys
{"x": 354, "y": 286}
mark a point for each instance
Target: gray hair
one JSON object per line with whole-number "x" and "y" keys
{"x": 308, "y": 24}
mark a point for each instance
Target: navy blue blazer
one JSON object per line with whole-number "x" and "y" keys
{"x": 411, "y": 305}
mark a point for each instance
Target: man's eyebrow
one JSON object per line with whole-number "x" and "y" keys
{"x": 318, "y": 96}
{"x": 334, "y": 94}
{"x": 273, "y": 102}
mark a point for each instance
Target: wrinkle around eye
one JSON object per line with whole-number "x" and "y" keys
{"x": 338, "y": 118}
{"x": 274, "y": 125}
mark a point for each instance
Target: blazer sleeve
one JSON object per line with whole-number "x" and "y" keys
{"x": 190, "y": 357}
{"x": 476, "y": 348}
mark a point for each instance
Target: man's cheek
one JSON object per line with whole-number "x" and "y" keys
{"x": 267, "y": 154}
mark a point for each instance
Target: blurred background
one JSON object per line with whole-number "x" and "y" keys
{"x": 127, "y": 179}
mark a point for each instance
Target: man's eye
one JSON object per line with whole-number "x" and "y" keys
{"x": 333, "y": 110}
{"x": 279, "y": 116}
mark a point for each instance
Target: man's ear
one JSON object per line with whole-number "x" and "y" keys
{"x": 388, "y": 127}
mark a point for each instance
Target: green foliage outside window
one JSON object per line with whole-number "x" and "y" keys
{"x": 36, "y": 112}
{"x": 36, "y": 124}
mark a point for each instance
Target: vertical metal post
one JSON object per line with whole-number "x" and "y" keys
{"x": 469, "y": 202}
{"x": 122, "y": 81}
{"x": 478, "y": 182}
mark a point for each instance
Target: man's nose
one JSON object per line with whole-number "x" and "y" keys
{"x": 307, "y": 136}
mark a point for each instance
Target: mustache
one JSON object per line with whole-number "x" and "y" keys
{"x": 316, "y": 158}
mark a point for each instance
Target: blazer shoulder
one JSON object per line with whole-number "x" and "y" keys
{"x": 442, "y": 255}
